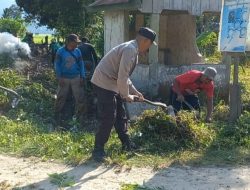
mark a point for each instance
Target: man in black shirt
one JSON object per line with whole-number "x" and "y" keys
{"x": 90, "y": 61}
{"x": 89, "y": 57}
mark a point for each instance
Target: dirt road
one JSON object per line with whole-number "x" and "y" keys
{"x": 30, "y": 173}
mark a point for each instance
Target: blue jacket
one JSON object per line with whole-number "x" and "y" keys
{"x": 69, "y": 64}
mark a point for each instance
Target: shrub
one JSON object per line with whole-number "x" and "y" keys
{"x": 221, "y": 112}
{"x": 184, "y": 131}
{"x": 8, "y": 79}
{"x": 13, "y": 26}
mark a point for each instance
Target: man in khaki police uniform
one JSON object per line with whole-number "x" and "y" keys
{"x": 112, "y": 86}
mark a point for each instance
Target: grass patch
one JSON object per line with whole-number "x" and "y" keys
{"x": 40, "y": 38}
{"x": 138, "y": 187}
{"x": 61, "y": 180}
{"x": 31, "y": 139}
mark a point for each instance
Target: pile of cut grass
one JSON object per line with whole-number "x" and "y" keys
{"x": 181, "y": 132}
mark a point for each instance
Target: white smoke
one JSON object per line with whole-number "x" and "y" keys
{"x": 13, "y": 45}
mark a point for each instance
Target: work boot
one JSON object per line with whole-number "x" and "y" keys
{"x": 98, "y": 154}
{"x": 129, "y": 146}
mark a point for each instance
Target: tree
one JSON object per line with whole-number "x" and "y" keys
{"x": 66, "y": 16}
{"x": 12, "y": 21}
{"x": 13, "y": 12}
{"x": 13, "y": 26}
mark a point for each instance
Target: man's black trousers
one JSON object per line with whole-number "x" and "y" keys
{"x": 111, "y": 112}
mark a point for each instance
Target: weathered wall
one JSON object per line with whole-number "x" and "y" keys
{"x": 194, "y": 7}
{"x": 116, "y": 29}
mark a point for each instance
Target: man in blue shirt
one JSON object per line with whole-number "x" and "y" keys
{"x": 70, "y": 74}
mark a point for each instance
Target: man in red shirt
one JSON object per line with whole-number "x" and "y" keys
{"x": 186, "y": 87}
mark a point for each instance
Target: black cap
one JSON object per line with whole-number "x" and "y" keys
{"x": 73, "y": 38}
{"x": 148, "y": 33}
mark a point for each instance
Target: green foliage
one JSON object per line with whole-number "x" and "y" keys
{"x": 207, "y": 43}
{"x": 242, "y": 132}
{"x": 138, "y": 187}
{"x": 37, "y": 100}
{"x": 61, "y": 180}
{"x": 40, "y": 38}
{"x": 95, "y": 32}
{"x": 67, "y": 17}
{"x": 183, "y": 133}
{"x": 13, "y": 26}
{"x": 8, "y": 79}
{"x": 244, "y": 78}
{"x": 31, "y": 138}
{"x": 221, "y": 112}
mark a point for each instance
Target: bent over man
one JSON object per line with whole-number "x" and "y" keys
{"x": 112, "y": 86}
{"x": 186, "y": 87}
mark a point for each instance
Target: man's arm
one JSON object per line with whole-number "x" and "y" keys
{"x": 134, "y": 91}
{"x": 209, "y": 109}
{"x": 58, "y": 65}
{"x": 123, "y": 81}
{"x": 176, "y": 85}
{"x": 94, "y": 55}
{"x": 82, "y": 68}
{"x": 58, "y": 68}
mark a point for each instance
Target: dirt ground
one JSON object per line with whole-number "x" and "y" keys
{"x": 31, "y": 173}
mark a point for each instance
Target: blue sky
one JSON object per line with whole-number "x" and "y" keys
{"x": 7, "y": 3}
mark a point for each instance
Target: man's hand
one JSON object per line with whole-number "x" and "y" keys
{"x": 61, "y": 82}
{"x": 180, "y": 98}
{"x": 131, "y": 98}
{"x": 140, "y": 97}
{"x": 190, "y": 92}
{"x": 197, "y": 91}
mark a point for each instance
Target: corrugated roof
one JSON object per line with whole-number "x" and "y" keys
{"x": 108, "y": 2}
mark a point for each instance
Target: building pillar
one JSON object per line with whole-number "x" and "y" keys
{"x": 116, "y": 29}
{"x": 153, "y": 56}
